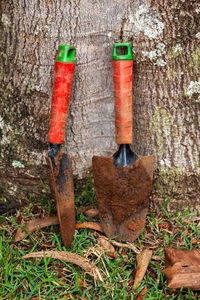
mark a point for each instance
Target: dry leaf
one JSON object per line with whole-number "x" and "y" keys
{"x": 85, "y": 208}
{"x": 130, "y": 282}
{"x": 176, "y": 230}
{"x": 68, "y": 296}
{"x": 185, "y": 232}
{"x": 141, "y": 295}
{"x": 194, "y": 242}
{"x": 187, "y": 257}
{"x": 183, "y": 268}
{"x": 148, "y": 228}
{"x": 106, "y": 245}
{"x": 33, "y": 225}
{"x": 73, "y": 258}
{"x": 143, "y": 259}
{"x": 82, "y": 282}
{"x": 149, "y": 235}
{"x": 164, "y": 225}
{"x": 180, "y": 275}
{"x": 113, "y": 255}
{"x": 91, "y": 213}
{"x": 90, "y": 225}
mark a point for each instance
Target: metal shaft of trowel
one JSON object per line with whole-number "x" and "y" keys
{"x": 124, "y": 155}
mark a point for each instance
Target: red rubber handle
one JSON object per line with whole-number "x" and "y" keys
{"x": 123, "y": 90}
{"x": 63, "y": 80}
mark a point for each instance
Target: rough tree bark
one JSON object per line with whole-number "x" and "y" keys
{"x": 165, "y": 36}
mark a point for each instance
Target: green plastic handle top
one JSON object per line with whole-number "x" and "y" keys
{"x": 127, "y": 56}
{"x": 66, "y": 54}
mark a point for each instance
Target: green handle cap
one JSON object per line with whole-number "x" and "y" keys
{"x": 66, "y": 54}
{"x": 127, "y": 56}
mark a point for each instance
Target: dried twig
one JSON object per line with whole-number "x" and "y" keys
{"x": 33, "y": 225}
{"x": 97, "y": 251}
{"x": 123, "y": 245}
{"x": 73, "y": 258}
{"x": 117, "y": 244}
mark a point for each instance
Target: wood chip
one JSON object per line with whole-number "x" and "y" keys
{"x": 73, "y": 258}
{"x": 143, "y": 260}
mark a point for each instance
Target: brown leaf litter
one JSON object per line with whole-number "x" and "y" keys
{"x": 33, "y": 225}
{"x": 183, "y": 268}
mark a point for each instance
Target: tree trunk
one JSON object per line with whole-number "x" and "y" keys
{"x": 165, "y": 36}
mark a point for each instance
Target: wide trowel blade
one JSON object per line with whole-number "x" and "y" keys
{"x": 122, "y": 195}
{"x": 62, "y": 187}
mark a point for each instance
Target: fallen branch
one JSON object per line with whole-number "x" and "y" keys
{"x": 143, "y": 260}
{"x": 73, "y": 258}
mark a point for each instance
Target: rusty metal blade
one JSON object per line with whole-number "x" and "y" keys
{"x": 62, "y": 188}
{"x": 122, "y": 195}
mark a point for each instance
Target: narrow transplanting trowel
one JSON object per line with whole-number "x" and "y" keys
{"x": 58, "y": 163}
{"x": 123, "y": 181}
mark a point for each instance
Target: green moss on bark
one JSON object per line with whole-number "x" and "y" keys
{"x": 177, "y": 184}
{"x": 195, "y": 60}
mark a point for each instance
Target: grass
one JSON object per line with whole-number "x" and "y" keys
{"x": 47, "y": 278}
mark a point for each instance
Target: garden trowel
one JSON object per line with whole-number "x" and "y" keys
{"x": 123, "y": 181}
{"x": 58, "y": 163}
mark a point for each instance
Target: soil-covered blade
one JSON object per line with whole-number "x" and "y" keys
{"x": 123, "y": 196}
{"x": 62, "y": 187}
